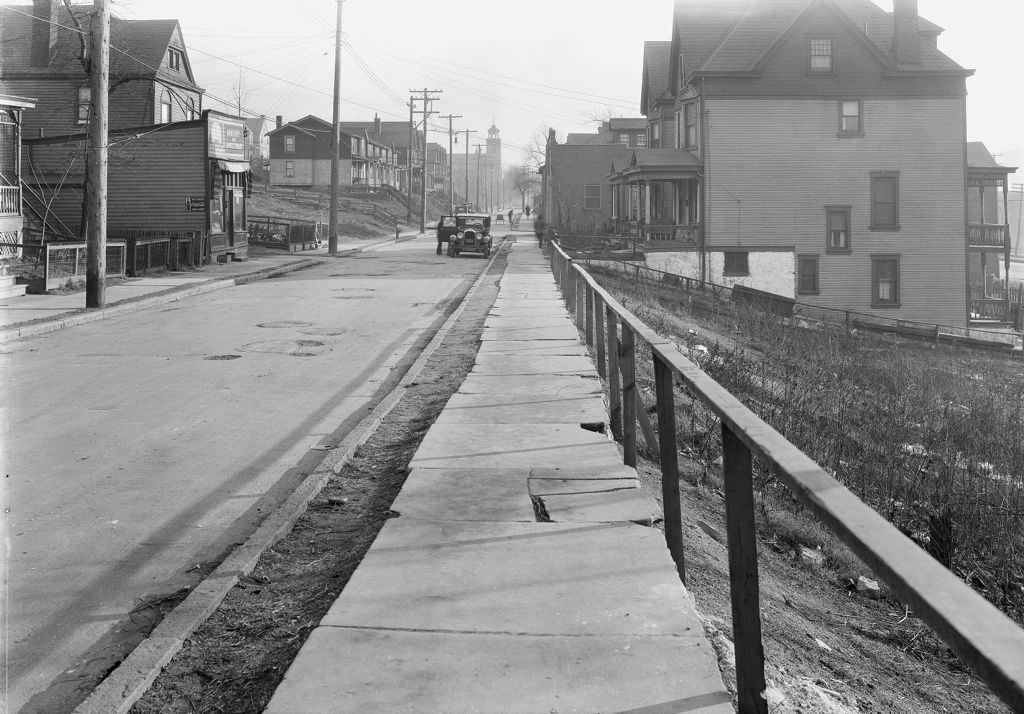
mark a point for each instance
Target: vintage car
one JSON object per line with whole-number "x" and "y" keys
{"x": 472, "y": 234}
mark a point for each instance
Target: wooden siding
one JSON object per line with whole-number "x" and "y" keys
{"x": 570, "y": 168}
{"x": 309, "y": 172}
{"x": 149, "y": 179}
{"x": 773, "y": 165}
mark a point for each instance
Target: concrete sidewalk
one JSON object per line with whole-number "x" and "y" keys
{"x": 27, "y": 315}
{"x": 522, "y": 574}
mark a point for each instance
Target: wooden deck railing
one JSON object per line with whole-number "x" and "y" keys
{"x": 982, "y": 636}
{"x": 988, "y": 234}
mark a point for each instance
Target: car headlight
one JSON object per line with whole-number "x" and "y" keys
{"x": 461, "y": 234}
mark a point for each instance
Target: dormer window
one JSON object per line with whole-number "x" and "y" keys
{"x": 821, "y": 55}
{"x": 174, "y": 58}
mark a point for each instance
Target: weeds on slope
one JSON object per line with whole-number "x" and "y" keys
{"x": 933, "y": 439}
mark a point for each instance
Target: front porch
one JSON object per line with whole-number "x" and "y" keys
{"x": 656, "y": 200}
{"x": 993, "y": 302}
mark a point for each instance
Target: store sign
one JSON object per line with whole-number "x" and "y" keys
{"x": 227, "y": 139}
{"x": 195, "y": 203}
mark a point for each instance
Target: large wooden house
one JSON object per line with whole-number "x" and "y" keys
{"x": 811, "y": 148}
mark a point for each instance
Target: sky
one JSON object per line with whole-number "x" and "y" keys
{"x": 523, "y": 66}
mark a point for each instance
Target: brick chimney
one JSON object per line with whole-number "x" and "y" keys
{"x": 44, "y": 31}
{"x": 376, "y": 124}
{"x": 906, "y": 38}
{"x": 278, "y": 121}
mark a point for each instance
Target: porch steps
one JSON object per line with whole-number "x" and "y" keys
{"x": 9, "y": 287}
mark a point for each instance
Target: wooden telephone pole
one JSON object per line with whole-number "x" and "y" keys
{"x": 451, "y": 176}
{"x": 476, "y": 207}
{"x": 96, "y": 159}
{"x": 332, "y": 240}
{"x": 427, "y": 98}
{"x": 466, "y": 191}
{"x": 408, "y": 170}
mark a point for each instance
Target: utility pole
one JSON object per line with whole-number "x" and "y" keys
{"x": 96, "y": 159}
{"x": 408, "y": 171}
{"x": 477, "y": 206}
{"x": 451, "y": 176}
{"x": 332, "y": 239}
{"x": 1019, "y": 187}
{"x": 466, "y": 193}
{"x": 426, "y": 99}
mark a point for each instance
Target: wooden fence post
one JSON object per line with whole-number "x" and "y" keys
{"x": 743, "y": 578}
{"x": 614, "y": 393}
{"x": 589, "y": 317}
{"x": 599, "y": 337}
{"x": 627, "y": 357}
{"x": 665, "y": 395}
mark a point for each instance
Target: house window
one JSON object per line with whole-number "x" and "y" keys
{"x": 289, "y": 169}
{"x": 821, "y": 55}
{"x": 850, "y": 122}
{"x": 679, "y": 129}
{"x": 173, "y": 58}
{"x": 84, "y": 100}
{"x": 656, "y": 134}
{"x": 885, "y": 281}
{"x": 622, "y": 139}
{"x": 592, "y": 197}
{"x": 885, "y": 195}
{"x": 837, "y": 229}
{"x": 807, "y": 275}
{"x": 289, "y": 144}
{"x": 190, "y": 109}
{"x": 690, "y": 125}
{"x": 736, "y": 263}
{"x": 165, "y": 107}
{"x": 641, "y": 141}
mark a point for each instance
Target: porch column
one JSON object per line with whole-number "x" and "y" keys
{"x": 647, "y": 201}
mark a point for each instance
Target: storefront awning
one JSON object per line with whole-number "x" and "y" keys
{"x": 235, "y": 167}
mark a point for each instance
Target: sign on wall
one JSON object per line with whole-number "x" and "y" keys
{"x": 226, "y": 138}
{"x": 195, "y": 203}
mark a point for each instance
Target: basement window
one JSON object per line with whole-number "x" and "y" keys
{"x": 736, "y": 263}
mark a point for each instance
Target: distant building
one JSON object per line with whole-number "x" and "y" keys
{"x": 300, "y": 154}
{"x": 437, "y": 167}
{"x": 151, "y": 78}
{"x": 811, "y": 148}
{"x": 398, "y": 134}
{"x": 257, "y": 147}
{"x": 577, "y": 196}
{"x": 482, "y": 173}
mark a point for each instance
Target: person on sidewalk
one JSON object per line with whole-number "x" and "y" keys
{"x": 527, "y": 210}
{"x": 510, "y": 216}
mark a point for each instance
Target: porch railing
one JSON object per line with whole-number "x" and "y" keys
{"x": 990, "y": 309}
{"x": 988, "y": 234}
{"x": 982, "y": 636}
{"x": 659, "y": 235}
{"x": 10, "y": 200}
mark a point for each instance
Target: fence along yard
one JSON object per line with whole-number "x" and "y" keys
{"x": 982, "y": 636}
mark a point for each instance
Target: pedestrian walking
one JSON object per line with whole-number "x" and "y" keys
{"x": 527, "y": 211}
{"x": 510, "y": 216}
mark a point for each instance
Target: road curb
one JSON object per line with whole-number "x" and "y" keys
{"x": 126, "y": 684}
{"x": 72, "y": 319}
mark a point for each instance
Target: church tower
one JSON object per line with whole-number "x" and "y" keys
{"x": 495, "y": 189}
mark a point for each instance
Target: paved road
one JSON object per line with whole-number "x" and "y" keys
{"x": 139, "y": 447}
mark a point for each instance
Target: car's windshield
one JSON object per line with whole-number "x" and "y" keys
{"x": 448, "y": 221}
{"x": 470, "y": 223}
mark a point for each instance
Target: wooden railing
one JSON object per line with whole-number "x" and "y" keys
{"x": 990, "y": 309}
{"x": 10, "y": 200}
{"x": 988, "y": 234}
{"x": 655, "y": 235}
{"x": 982, "y": 636}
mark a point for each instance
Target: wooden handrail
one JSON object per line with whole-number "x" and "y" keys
{"x": 983, "y": 637}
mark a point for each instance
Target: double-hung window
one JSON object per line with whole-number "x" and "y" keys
{"x": 807, "y": 275}
{"x": 690, "y": 125}
{"x": 885, "y": 281}
{"x": 84, "y": 100}
{"x": 820, "y": 55}
{"x": 837, "y": 229}
{"x": 592, "y": 197}
{"x": 165, "y": 107}
{"x": 851, "y": 121}
{"x": 885, "y": 200}
{"x": 289, "y": 169}
{"x": 289, "y": 144}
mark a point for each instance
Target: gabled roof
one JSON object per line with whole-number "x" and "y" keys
{"x": 727, "y": 36}
{"x": 657, "y": 61}
{"x": 138, "y": 47}
{"x": 584, "y": 139}
{"x": 394, "y": 133}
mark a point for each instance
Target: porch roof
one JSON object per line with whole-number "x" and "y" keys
{"x": 655, "y": 165}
